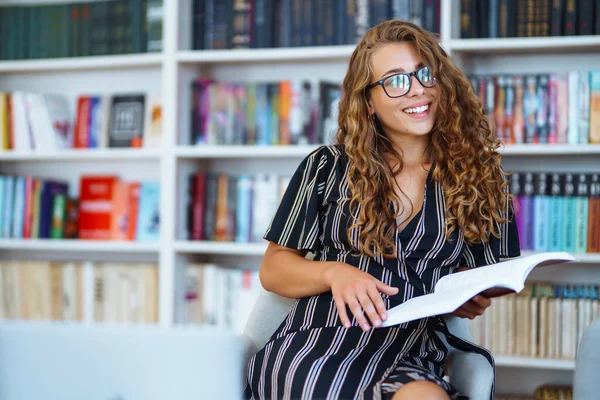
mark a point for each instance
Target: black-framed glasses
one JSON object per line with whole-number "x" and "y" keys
{"x": 399, "y": 84}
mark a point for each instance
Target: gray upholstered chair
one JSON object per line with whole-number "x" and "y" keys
{"x": 586, "y": 382}
{"x": 470, "y": 373}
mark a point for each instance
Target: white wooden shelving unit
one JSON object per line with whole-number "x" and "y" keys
{"x": 172, "y": 71}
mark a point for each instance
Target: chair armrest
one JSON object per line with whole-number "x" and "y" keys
{"x": 586, "y": 384}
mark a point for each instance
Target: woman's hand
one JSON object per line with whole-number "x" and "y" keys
{"x": 474, "y": 307}
{"x": 359, "y": 291}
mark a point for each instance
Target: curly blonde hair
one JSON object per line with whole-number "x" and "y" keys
{"x": 462, "y": 145}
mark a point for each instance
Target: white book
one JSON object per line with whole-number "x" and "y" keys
{"x": 453, "y": 290}
{"x": 573, "y": 90}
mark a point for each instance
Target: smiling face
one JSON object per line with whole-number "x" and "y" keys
{"x": 412, "y": 114}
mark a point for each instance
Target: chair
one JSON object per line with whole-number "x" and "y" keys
{"x": 586, "y": 384}
{"x": 471, "y": 374}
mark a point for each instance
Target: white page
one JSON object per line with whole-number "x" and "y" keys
{"x": 431, "y": 304}
{"x": 454, "y": 290}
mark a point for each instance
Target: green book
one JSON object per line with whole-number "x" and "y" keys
{"x": 58, "y": 217}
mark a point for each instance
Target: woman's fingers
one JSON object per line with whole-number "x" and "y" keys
{"x": 377, "y": 302}
{"x": 369, "y": 308}
{"x": 482, "y": 301}
{"x": 472, "y": 307}
{"x": 386, "y": 289}
{"x": 356, "y": 309}
{"x": 340, "y": 304}
{"x": 463, "y": 313}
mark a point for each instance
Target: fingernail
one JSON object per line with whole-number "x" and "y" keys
{"x": 384, "y": 316}
{"x": 366, "y": 327}
{"x": 377, "y": 323}
{"x": 347, "y": 325}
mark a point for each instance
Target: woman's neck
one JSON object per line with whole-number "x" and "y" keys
{"x": 413, "y": 149}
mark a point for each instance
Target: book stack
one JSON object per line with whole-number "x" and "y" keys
{"x": 544, "y": 320}
{"x": 220, "y": 296}
{"x": 80, "y": 29}
{"x": 34, "y": 122}
{"x": 557, "y": 211}
{"x": 107, "y": 209}
{"x": 53, "y": 290}
{"x": 511, "y": 18}
{"x": 234, "y": 208}
{"x": 549, "y": 108}
{"x": 264, "y": 113}
{"x": 289, "y": 23}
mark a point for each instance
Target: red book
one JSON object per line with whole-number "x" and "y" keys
{"x": 82, "y": 124}
{"x": 133, "y": 201}
{"x": 198, "y": 205}
{"x": 102, "y": 206}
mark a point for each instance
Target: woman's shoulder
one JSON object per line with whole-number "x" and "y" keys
{"x": 331, "y": 152}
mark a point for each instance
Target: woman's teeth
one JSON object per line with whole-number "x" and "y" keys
{"x": 417, "y": 110}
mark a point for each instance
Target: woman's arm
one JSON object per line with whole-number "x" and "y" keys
{"x": 286, "y": 272}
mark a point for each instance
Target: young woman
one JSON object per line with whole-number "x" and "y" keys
{"x": 412, "y": 191}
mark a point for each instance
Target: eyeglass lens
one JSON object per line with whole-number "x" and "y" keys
{"x": 398, "y": 85}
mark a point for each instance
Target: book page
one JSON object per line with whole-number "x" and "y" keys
{"x": 512, "y": 273}
{"x": 438, "y": 303}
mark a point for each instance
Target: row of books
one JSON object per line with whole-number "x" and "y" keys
{"x": 544, "y": 392}
{"x": 286, "y": 112}
{"x": 513, "y": 18}
{"x": 54, "y": 290}
{"x": 235, "y": 208}
{"x": 544, "y": 320}
{"x": 288, "y": 23}
{"x": 107, "y": 209}
{"x": 45, "y": 122}
{"x": 557, "y": 211}
{"x": 126, "y": 292}
{"x": 220, "y": 295}
{"x": 80, "y": 29}
{"x": 559, "y": 107}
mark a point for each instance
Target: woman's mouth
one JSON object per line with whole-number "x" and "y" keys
{"x": 419, "y": 111}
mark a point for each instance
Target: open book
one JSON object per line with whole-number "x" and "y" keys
{"x": 453, "y": 290}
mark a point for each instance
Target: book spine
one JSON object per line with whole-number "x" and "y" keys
{"x": 584, "y": 107}
{"x": 570, "y": 212}
{"x": 541, "y": 213}
{"x": 594, "y": 131}
{"x": 556, "y": 17}
{"x": 581, "y": 213}
{"x": 573, "y": 113}
{"x": 593, "y": 245}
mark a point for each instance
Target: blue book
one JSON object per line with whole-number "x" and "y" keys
{"x": 244, "y": 208}
{"x": 18, "y": 208}
{"x": 526, "y": 202}
{"x": 148, "y": 222}
{"x": 2, "y": 195}
{"x": 541, "y": 205}
{"x": 581, "y": 213}
{"x": 570, "y": 212}
{"x": 556, "y": 214}
{"x": 8, "y": 206}
{"x": 95, "y": 121}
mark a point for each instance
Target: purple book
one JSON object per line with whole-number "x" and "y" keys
{"x": 525, "y": 222}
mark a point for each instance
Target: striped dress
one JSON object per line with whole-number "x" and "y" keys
{"x": 311, "y": 355}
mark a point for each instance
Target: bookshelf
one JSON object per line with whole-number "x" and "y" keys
{"x": 172, "y": 71}
{"x": 79, "y": 246}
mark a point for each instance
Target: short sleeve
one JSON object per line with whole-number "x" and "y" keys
{"x": 296, "y": 223}
{"x": 490, "y": 252}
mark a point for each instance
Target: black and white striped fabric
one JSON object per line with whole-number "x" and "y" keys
{"x": 311, "y": 355}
